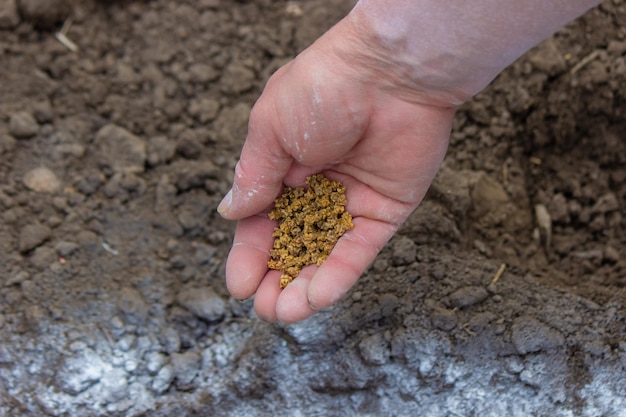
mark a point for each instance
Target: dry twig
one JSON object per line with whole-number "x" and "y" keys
{"x": 61, "y": 36}
{"x": 498, "y": 274}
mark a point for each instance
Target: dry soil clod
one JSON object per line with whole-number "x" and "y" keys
{"x": 310, "y": 222}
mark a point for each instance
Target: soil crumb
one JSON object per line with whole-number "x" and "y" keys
{"x": 310, "y": 221}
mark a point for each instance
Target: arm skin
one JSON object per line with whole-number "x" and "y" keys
{"x": 371, "y": 104}
{"x": 454, "y": 47}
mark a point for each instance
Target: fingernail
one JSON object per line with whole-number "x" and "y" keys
{"x": 313, "y": 306}
{"x": 224, "y": 205}
{"x": 310, "y": 298}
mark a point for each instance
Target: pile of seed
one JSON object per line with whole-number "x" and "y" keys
{"x": 310, "y": 221}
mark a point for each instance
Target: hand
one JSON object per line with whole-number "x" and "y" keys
{"x": 331, "y": 110}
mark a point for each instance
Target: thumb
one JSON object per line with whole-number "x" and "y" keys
{"x": 258, "y": 177}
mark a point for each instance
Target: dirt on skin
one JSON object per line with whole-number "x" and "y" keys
{"x": 118, "y": 140}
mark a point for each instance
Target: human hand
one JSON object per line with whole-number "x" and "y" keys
{"x": 332, "y": 110}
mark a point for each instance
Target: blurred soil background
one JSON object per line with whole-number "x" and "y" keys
{"x": 120, "y": 125}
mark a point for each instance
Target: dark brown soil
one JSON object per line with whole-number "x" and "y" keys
{"x": 114, "y": 156}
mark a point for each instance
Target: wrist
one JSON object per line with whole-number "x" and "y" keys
{"x": 445, "y": 51}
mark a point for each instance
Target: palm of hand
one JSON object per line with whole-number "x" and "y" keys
{"x": 318, "y": 115}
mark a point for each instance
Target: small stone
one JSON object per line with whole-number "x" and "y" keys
{"x": 90, "y": 182}
{"x": 126, "y": 342}
{"x": 43, "y": 257}
{"x": 170, "y": 339}
{"x": 173, "y": 110}
{"x": 237, "y": 79}
{"x": 123, "y": 185}
{"x": 80, "y": 371}
{"x": 130, "y": 364}
{"x": 453, "y": 189}
{"x": 145, "y": 343}
{"x": 438, "y": 272}
{"x": 207, "y": 359}
{"x": 160, "y": 150}
{"x": 132, "y": 304}
{"x": 202, "y": 302}
{"x": 29, "y": 289}
{"x": 514, "y": 365}
{"x": 558, "y": 209}
{"x": 44, "y": 13}
{"x": 479, "y": 113}
{"x": 480, "y": 322}
{"x": 380, "y": 264}
{"x": 421, "y": 349}
{"x": 154, "y": 361}
{"x": 42, "y": 180}
{"x": 375, "y": 349}
{"x": 17, "y": 278}
{"x": 605, "y": 204}
{"x": 468, "y": 296}
{"x": 116, "y": 323}
{"x": 189, "y": 145}
{"x": 32, "y": 236}
{"x": 188, "y": 174}
{"x": 60, "y": 203}
{"x": 9, "y": 17}
{"x": 491, "y": 204}
{"x": 64, "y": 150}
{"x": 22, "y": 125}
{"x": 204, "y": 109}
{"x": 492, "y": 288}
{"x": 87, "y": 238}
{"x": 548, "y": 58}
{"x": 204, "y": 253}
{"x": 120, "y": 150}
{"x": 65, "y": 248}
{"x": 7, "y": 143}
{"x": 115, "y": 385}
{"x": 597, "y": 71}
{"x": 54, "y": 221}
{"x": 185, "y": 366}
{"x": 530, "y": 335}
{"x": 42, "y": 111}
{"x": 232, "y": 122}
{"x": 443, "y": 319}
{"x": 611, "y": 254}
{"x": 163, "y": 379}
{"x": 403, "y": 251}
{"x": 202, "y": 73}
{"x": 35, "y": 314}
{"x": 209, "y": 4}
{"x": 616, "y": 47}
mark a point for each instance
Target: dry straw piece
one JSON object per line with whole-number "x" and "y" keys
{"x": 310, "y": 222}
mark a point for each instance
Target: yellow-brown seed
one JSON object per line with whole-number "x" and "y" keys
{"x": 309, "y": 224}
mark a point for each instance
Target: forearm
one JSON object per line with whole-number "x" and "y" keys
{"x": 453, "y": 48}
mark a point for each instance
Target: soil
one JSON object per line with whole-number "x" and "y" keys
{"x": 116, "y": 147}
